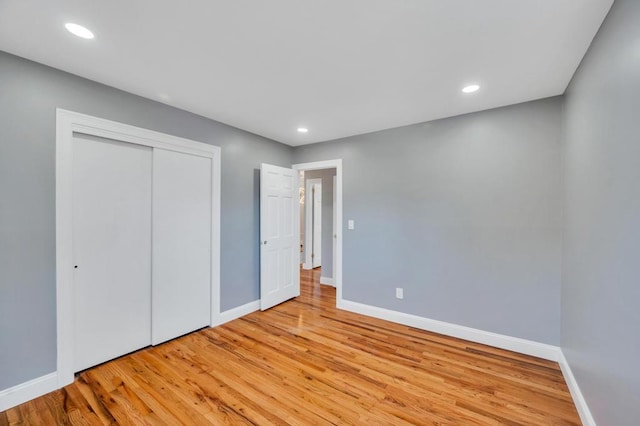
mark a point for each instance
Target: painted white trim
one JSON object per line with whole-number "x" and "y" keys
{"x": 237, "y": 312}
{"x": 326, "y": 280}
{"x": 516, "y": 344}
{"x": 216, "y": 188}
{"x": 27, "y": 391}
{"x": 576, "y": 393}
{"x": 68, "y": 123}
{"x": 330, "y": 164}
{"x": 100, "y": 127}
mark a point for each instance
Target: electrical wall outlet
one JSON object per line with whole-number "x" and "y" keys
{"x": 399, "y": 293}
{"x": 351, "y": 224}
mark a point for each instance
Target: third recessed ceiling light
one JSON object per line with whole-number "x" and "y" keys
{"x": 78, "y": 30}
{"x": 471, "y": 88}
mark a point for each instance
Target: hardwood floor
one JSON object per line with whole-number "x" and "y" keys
{"x": 304, "y": 362}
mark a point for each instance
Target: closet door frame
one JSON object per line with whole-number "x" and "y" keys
{"x": 69, "y": 123}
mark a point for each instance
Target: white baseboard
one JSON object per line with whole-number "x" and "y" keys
{"x": 327, "y": 281}
{"x": 306, "y": 266}
{"x": 576, "y": 393}
{"x": 516, "y": 344}
{"x": 39, "y": 386}
{"x": 528, "y": 347}
{"x": 238, "y": 312}
{"x": 27, "y": 391}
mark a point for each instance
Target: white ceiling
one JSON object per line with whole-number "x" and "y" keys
{"x": 338, "y": 67}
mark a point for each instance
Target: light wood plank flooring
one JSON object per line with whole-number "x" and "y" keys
{"x": 304, "y": 363}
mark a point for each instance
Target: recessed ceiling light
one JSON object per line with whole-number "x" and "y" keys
{"x": 302, "y": 130}
{"x": 471, "y": 88}
{"x": 78, "y": 30}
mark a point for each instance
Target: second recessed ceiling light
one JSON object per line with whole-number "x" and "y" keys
{"x": 79, "y": 30}
{"x": 471, "y": 88}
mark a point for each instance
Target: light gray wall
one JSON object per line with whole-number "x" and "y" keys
{"x": 327, "y": 217}
{"x": 29, "y": 95}
{"x": 601, "y": 282}
{"x": 464, "y": 214}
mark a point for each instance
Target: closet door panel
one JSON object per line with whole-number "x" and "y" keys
{"x": 181, "y": 295}
{"x": 111, "y": 249}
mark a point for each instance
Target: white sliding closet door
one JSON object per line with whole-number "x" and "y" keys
{"x": 181, "y": 297}
{"x": 111, "y": 249}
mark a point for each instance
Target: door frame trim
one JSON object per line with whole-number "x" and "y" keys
{"x": 68, "y": 123}
{"x": 308, "y": 228}
{"x": 332, "y": 164}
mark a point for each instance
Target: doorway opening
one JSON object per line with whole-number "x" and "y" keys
{"x": 321, "y": 221}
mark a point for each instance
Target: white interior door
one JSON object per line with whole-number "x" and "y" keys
{"x": 181, "y": 297}
{"x": 279, "y": 235}
{"x": 334, "y": 234}
{"x": 111, "y": 249}
{"x": 308, "y": 222}
{"x": 316, "y": 257}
